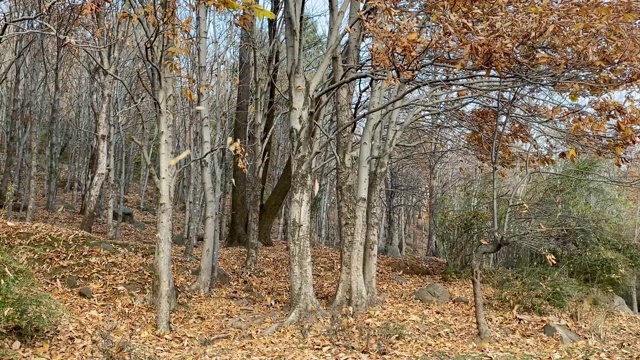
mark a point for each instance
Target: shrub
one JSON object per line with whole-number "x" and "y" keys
{"x": 24, "y": 309}
{"x": 535, "y": 289}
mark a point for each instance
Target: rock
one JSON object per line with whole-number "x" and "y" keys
{"x": 566, "y": 336}
{"x": 71, "y": 282}
{"x": 393, "y": 251}
{"x": 382, "y": 250}
{"x": 127, "y": 214}
{"x": 223, "y": 277}
{"x": 178, "y": 239}
{"x": 86, "y": 293}
{"x": 107, "y": 247}
{"x": 16, "y": 345}
{"x": 620, "y": 305}
{"x": 434, "y": 292}
{"x": 399, "y": 279}
{"x": 69, "y": 208}
{"x": 139, "y": 225}
{"x": 461, "y": 300}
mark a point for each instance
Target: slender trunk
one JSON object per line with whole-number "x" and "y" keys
{"x": 253, "y": 203}
{"x": 476, "y": 280}
{"x": 33, "y": 175}
{"x": 102, "y": 139}
{"x": 432, "y": 242}
{"x": 208, "y": 260}
{"x": 111, "y": 184}
{"x": 634, "y": 293}
{"x": 196, "y": 183}
{"x": 54, "y": 134}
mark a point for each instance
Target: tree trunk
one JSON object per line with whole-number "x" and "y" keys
{"x": 208, "y": 260}
{"x": 269, "y": 211}
{"x": 102, "y": 139}
{"x": 164, "y": 290}
{"x": 351, "y": 288}
{"x": 303, "y": 298}
{"x": 54, "y": 133}
{"x": 634, "y": 293}
{"x": 238, "y": 227}
{"x": 378, "y": 170}
{"x": 432, "y": 243}
{"x": 271, "y": 206}
{"x": 11, "y": 150}
{"x": 33, "y": 175}
{"x": 476, "y": 280}
{"x": 196, "y": 182}
{"x": 111, "y": 184}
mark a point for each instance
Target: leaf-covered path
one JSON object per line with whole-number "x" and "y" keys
{"x": 117, "y": 323}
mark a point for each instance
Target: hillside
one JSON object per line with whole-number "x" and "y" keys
{"x": 116, "y": 322}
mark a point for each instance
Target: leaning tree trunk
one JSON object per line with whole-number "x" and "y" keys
{"x": 102, "y": 138}
{"x": 272, "y": 205}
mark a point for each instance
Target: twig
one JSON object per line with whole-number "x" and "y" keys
{"x": 201, "y": 158}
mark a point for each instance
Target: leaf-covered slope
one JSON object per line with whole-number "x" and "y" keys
{"x": 117, "y": 322}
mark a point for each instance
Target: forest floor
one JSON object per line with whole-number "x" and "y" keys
{"x": 117, "y": 323}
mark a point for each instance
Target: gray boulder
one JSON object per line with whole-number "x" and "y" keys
{"x": 566, "y": 336}
{"x": 179, "y": 239}
{"x": 86, "y": 293}
{"x": 393, "y": 251}
{"x": 434, "y": 292}
{"x": 620, "y": 305}
{"x": 127, "y": 214}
